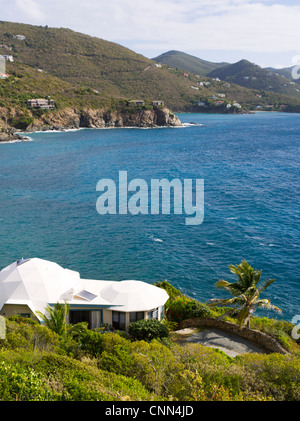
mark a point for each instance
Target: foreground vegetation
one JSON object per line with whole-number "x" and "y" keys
{"x": 73, "y": 363}
{"x": 36, "y": 364}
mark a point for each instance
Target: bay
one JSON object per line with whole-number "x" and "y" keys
{"x": 250, "y": 167}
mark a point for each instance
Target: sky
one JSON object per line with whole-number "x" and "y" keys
{"x": 265, "y": 32}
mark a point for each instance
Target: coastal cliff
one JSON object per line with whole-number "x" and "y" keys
{"x": 71, "y": 118}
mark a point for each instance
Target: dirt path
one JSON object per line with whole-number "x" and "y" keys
{"x": 231, "y": 344}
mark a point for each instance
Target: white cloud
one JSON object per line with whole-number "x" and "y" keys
{"x": 252, "y": 26}
{"x": 31, "y": 9}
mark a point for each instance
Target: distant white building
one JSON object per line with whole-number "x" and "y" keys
{"x": 21, "y": 37}
{"x": 8, "y": 57}
{"x": 41, "y": 103}
{"x": 157, "y": 103}
{"x": 29, "y": 286}
{"x": 201, "y": 104}
{"x": 236, "y": 104}
{"x": 136, "y": 102}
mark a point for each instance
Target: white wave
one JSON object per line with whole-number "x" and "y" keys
{"x": 192, "y": 124}
{"x": 25, "y": 139}
{"x": 157, "y": 240}
{"x": 56, "y": 131}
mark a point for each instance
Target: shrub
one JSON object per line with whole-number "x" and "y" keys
{"x": 147, "y": 330}
{"x": 184, "y": 308}
{"x": 21, "y": 123}
{"x": 21, "y": 384}
{"x": 91, "y": 342}
{"x": 29, "y": 335}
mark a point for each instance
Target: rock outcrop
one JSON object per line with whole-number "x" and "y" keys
{"x": 9, "y": 135}
{"x": 101, "y": 118}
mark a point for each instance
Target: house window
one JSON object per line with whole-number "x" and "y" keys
{"x": 26, "y": 315}
{"x": 136, "y": 315}
{"x": 153, "y": 314}
{"x": 119, "y": 320}
{"x": 93, "y": 318}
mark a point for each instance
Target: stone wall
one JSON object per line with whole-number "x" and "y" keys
{"x": 265, "y": 341}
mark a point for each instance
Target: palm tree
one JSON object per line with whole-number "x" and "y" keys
{"x": 56, "y": 318}
{"x": 245, "y": 291}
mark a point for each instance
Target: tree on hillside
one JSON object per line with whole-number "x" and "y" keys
{"x": 246, "y": 292}
{"x": 56, "y": 317}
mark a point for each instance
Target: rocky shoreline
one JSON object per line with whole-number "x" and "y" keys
{"x": 69, "y": 119}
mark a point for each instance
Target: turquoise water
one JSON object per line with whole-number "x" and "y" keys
{"x": 250, "y": 167}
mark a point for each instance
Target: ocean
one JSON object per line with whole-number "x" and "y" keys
{"x": 250, "y": 167}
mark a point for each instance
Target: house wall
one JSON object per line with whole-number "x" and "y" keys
{"x": 14, "y": 309}
{"x": 107, "y": 317}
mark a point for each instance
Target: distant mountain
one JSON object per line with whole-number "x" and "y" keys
{"x": 180, "y": 60}
{"x": 253, "y": 76}
{"x": 286, "y": 72}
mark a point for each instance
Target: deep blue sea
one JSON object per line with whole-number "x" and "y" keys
{"x": 250, "y": 166}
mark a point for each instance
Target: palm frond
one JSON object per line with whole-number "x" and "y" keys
{"x": 266, "y": 284}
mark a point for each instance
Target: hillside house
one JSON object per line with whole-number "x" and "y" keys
{"x": 157, "y": 103}
{"x": 136, "y": 102}
{"x": 29, "y": 286}
{"x": 41, "y": 103}
{"x": 20, "y": 37}
{"x": 7, "y": 57}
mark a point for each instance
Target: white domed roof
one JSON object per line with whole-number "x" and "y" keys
{"x": 35, "y": 282}
{"x": 134, "y": 296}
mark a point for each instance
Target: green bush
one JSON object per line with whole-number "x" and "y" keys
{"x": 147, "y": 330}
{"x": 183, "y": 308}
{"x": 26, "y": 334}
{"x": 91, "y": 342}
{"x": 21, "y": 384}
{"x": 21, "y": 122}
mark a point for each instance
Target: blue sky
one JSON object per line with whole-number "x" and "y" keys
{"x": 266, "y": 32}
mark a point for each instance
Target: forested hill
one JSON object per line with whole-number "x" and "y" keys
{"x": 91, "y": 70}
{"x": 188, "y": 62}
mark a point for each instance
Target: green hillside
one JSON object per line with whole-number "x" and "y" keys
{"x": 80, "y": 70}
{"x": 253, "y": 76}
{"x": 180, "y": 60}
{"x": 79, "y": 59}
